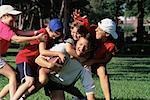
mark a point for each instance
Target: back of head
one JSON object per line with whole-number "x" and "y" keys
{"x": 8, "y": 9}
{"x": 55, "y": 24}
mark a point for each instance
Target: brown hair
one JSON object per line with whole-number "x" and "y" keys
{"x": 81, "y": 28}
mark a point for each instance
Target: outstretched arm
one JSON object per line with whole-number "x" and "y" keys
{"x": 21, "y": 39}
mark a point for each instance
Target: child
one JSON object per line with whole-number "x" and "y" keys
{"x": 106, "y": 49}
{"x": 26, "y": 65}
{"x": 72, "y": 70}
{"x": 7, "y": 34}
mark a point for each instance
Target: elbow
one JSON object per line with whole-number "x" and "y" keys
{"x": 36, "y": 60}
{"x": 68, "y": 51}
{"x": 42, "y": 52}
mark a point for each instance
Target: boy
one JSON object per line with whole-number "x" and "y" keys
{"x": 26, "y": 65}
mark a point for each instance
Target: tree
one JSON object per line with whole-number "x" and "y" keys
{"x": 136, "y": 8}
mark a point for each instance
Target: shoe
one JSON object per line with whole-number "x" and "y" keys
{"x": 22, "y": 98}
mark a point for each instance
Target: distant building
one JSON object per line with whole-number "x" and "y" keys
{"x": 129, "y": 21}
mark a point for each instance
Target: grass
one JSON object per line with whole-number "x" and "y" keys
{"x": 129, "y": 79}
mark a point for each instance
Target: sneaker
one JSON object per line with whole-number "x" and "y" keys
{"x": 22, "y": 98}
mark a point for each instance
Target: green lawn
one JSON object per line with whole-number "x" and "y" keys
{"x": 129, "y": 78}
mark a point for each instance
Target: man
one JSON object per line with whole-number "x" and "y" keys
{"x": 71, "y": 71}
{"x": 106, "y": 49}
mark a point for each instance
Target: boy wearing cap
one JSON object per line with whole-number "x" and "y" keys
{"x": 106, "y": 49}
{"x": 26, "y": 66}
{"x": 8, "y": 34}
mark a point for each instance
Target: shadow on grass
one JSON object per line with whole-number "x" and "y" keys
{"x": 134, "y": 73}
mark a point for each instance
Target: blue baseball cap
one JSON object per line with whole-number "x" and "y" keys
{"x": 55, "y": 24}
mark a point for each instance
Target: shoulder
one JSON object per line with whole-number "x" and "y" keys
{"x": 69, "y": 40}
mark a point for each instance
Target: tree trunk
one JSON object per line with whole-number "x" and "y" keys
{"x": 66, "y": 16}
{"x": 140, "y": 28}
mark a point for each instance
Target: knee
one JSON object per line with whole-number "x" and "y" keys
{"x": 29, "y": 82}
{"x": 12, "y": 77}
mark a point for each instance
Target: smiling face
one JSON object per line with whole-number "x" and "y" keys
{"x": 82, "y": 46}
{"x": 75, "y": 34}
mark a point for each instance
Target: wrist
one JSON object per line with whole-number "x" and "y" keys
{"x": 36, "y": 33}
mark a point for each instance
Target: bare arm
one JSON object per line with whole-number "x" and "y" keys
{"x": 45, "y": 64}
{"x": 26, "y": 33}
{"x": 44, "y": 52}
{"x": 21, "y": 39}
{"x": 71, "y": 51}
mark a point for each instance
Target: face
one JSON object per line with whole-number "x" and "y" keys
{"x": 82, "y": 46}
{"x": 100, "y": 34}
{"x": 75, "y": 34}
{"x": 54, "y": 35}
{"x": 9, "y": 19}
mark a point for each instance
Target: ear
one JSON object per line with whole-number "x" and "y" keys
{"x": 107, "y": 34}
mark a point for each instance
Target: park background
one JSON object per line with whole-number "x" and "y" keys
{"x": 129, "y": 70}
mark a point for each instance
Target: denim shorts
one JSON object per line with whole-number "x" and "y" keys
{"x": 2, "y": 63}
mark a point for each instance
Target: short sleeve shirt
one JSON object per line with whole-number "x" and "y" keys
{"x": 6, "y": 34}
{"x": 103, "y": 48}
{"x": 31, "y": 51}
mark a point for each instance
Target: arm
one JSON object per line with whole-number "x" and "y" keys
{"x": 21, "y": 39}
{"x": 44, "y": 52}
{"x": 45, "y": 64}
{"x": 71, "y": 51}
{"x": 92, "y": 61}
{"x": 31, "y": 33}
{"x": 26, "y": 33}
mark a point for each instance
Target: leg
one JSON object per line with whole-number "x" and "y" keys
{"x": 4, "y": 91}
{"x": 43, "y": 79}
{"x": 88, "y": 83}
{"x": 43, "y": 75}
{"x": 26, "y": 75}
{"x": 24, "y": 87}
{"x": 57, "y": 95}
{"x": 90, "y": 96}
{"x": 8, "y": 72}
{"x": 74, "y": 91}
{"x": 104, "y": 81}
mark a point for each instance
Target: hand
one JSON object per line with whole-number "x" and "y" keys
{"x": 76, "y": 14}
{"x": 55, "y": 67}
{"x": 62, "y": 57}
{"x": 42, "y": 37}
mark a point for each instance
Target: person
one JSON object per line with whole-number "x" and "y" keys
{"x": 71, "y": 71}
{"x": 106, "y": 49}
{"x": 8, "y": 34}
{"x": 26, "y": 66}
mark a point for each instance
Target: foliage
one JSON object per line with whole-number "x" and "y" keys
{"x": 128, "y": 28}
{"x": 104, "y": 8}
{"x": 132, "y": 8}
